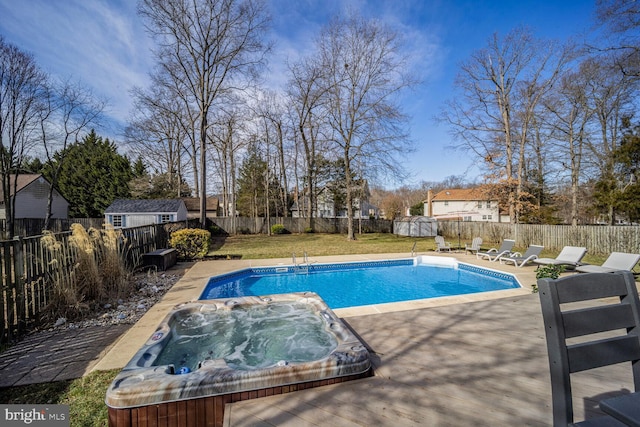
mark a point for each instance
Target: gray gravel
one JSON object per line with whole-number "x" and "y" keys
{"x": 149, "y": 289}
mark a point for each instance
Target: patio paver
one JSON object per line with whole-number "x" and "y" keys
{"x": 475, "y": 364}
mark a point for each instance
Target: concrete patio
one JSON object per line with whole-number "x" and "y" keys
{"x": 457, "y": 361}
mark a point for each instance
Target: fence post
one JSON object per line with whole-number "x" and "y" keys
{"x": 4, "y": 292}
{"x": 18, "y": 260}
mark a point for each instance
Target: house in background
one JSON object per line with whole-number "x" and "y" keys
{"x": 193, "y": 207}
{"x": 133, "y": 213}
{"x": 326, "y": 208}
{"x": 31, "y": 194}
{"x": 466, "y": 204}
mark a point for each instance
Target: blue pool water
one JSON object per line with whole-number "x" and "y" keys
{"x": 362, "y": 283}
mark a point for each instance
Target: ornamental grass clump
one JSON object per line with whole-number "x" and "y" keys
{"x": 85, "y": 268}
{"x": 87, "y": 276}
{"x": 64, "y": 298}
{"x": 111, "y": 265}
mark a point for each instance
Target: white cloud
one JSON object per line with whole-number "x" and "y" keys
{"x": 100, "y": 43}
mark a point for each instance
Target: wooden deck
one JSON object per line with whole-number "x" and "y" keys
{"x": 473, "y": 364}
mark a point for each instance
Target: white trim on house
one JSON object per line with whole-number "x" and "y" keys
{"x": 134, "y": 213}
{"x": 466, "y": 204}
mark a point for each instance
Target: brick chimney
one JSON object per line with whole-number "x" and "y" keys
{"x": 429, "y": 208}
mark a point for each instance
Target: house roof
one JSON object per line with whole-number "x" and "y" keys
{"x": 193, "y": 204}
{"x": 22, "y": 181}
{"x": 457, "y": 194}
{"x": 147, "y": 205}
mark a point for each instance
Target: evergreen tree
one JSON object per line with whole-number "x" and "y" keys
{"x": 619, "y": 192}
{"x": 139, "y": 168}
{"x": 627, "y": 157}
{"x": 32, "y": 165}
{"x": 337, "y": 186}
{"x": 93, "y": 175}
{"x": 250, "y": 201}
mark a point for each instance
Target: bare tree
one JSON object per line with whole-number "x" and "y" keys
{"x": 158, "y": 132}
{"x": 68, "y": 110}
{"x": 501, "y": 87}
{"x": 621, "y": 18}
{"x": 271, "y": 113}
{"x": 364, "y": 73}
{"x": 611, "y": 97}
{"x": 306, "y": 95}
{"x": 568, "y": 119}
{"x": 227, "y": 138}
{"x": 166, "y": 96}
{"x": 22, "y": 87}
{"x": 211, "y": 46}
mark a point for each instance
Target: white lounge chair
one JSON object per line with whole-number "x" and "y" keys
{"x": 493, "y": 253}
{"x": 569, "y": 256}
{"x": 441, "y": 245}
{"x": 617, "y": 261}
{"x": 474, "y": 246}
{"x": 518, "y": 259}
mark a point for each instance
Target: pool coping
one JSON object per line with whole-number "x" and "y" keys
{"x": 190, "y": 286}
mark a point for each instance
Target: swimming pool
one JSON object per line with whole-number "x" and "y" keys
{"x": 355, "y": 284}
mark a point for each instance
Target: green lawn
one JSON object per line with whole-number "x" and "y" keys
{"x": 85, "y": 397}
{"x": 284, "y": 245}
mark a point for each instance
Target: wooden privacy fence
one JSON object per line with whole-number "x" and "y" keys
{"x": 27, "y": 271}
{"x": 34, "y": 226}
{"x": 245, "y": 225}
{"x": 597, "y": 239}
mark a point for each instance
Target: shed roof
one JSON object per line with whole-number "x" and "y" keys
{"x": 415, "y": 218}
{"x": 193, "y": 203}
{"x": 21, "y": 182}
{"x": 147, "y": 205}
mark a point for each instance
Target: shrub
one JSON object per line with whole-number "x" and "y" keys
{"x": 190, "y": 242}
{"x": 548, "y": 271}
{"x": 278, "y": 229}
{"x": 216, "y": 231}
{"x": 308, "y": 230}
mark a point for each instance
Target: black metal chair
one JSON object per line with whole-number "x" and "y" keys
{"x": 562, "y": 323}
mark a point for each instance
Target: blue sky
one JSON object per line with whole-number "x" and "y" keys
{"x": 103, "y": 44}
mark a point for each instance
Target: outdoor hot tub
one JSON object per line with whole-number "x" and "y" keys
{"x": 208, "y": 353}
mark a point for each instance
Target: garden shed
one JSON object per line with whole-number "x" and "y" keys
{"x": 415, "y": 226}
{"x": 133, "y": 213}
